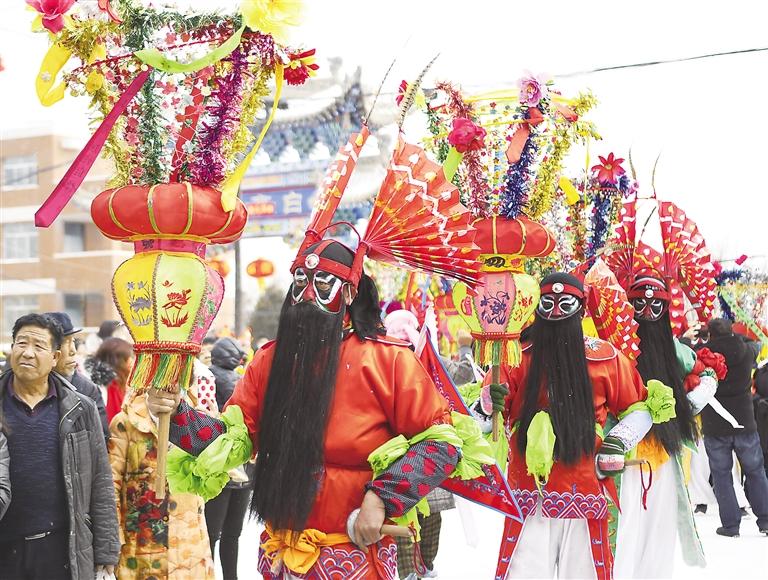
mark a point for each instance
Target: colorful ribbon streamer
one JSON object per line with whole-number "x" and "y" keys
{"x": 53, "y": 61}
{"x": 232, "y": 183}
{"x": 76, "y": 173}
{"x": 742, "y": 316}
{"x": 156, "y": 59}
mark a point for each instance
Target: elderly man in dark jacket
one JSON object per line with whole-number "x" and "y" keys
{"x": 62, "y": 522}
{"x": 721, "y": 439}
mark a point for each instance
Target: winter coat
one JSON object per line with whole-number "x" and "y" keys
{"x": 93, "y": 531}
{"x": 160, "y": 538}
{"x": 86, "y": 386}
{"x": 226, "y": 356}
{"x": 5, "y": 475}
{"x": 734, "y": 391}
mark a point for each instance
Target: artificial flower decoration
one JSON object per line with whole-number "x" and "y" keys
{"x": 713, "y": 360}
{"x": 104, "y": 6}
{"x": 52, "y": 12}
{"x": 532, "y": 90}
{"x": 741, "y": 259}
{"x": 466, "y": 135}
{"x": 272, "y": 16}
{"x": 401, "y": 91}
{"x": 609, "y": 169}
{"x": 301, "y": 67}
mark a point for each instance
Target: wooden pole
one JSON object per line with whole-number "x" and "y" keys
{"x": 495, "y": 376}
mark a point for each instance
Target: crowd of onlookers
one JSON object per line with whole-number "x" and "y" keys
{"x": 77, "y": 456}
{"x": 78, "y": 453}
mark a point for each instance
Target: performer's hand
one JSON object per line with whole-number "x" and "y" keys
{"x": 105, "y": 571}
{"x": 159, "y": 402}
{"x": 492, "y": 398}
{"x": 369, "y": 521}
{"x": 610, "y": 457}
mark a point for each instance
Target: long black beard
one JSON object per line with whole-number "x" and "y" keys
{"x": 295, "y": 415}
{"x": 657, "y": 360}
{"x": 558, "y": 359}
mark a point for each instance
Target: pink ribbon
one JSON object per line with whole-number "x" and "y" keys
{"x": 82, "y": 164}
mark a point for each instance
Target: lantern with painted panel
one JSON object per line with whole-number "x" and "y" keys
{"x": 166, "y": 294}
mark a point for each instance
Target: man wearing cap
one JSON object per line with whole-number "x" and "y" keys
{"x": 555, "y": 408}
{"x": 67, "y": 367}
{"x": 648, "y": 529}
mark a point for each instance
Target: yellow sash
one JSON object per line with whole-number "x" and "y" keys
{"x": 301, "y": 555}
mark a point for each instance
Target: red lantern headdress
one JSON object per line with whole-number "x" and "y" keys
{"x": 417, "y": 221}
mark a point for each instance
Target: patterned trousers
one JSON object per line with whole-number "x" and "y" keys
{"x": 430, "y": 541}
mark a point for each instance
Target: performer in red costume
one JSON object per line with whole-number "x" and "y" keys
{"x": 340, "y": 417}
{"x": 557, "y": 403}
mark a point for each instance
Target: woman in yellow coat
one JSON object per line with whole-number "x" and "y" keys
{"x": 161, "y": 539}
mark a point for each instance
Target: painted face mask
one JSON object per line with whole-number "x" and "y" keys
{"x": 558, "y": 306}
{"x": 649, "y": 308}
{"x": 319, "y": 288}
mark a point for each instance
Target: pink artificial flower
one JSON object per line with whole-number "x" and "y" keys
{"x": 466, "y": 136}
{"x": 609, "y": 169}
{"x": 532, "y": 90}
{"x": 53, "y": 12}
{"x": 741, "y": 259}
{"x": 401, "y": 90}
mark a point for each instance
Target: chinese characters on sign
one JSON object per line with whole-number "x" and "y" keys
{"x": 277, "y": 210}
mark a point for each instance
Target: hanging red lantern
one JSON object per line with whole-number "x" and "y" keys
{"x": 219, "y": 265}
{"x": 260, "y": 268}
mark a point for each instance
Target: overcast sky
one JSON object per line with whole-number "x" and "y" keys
{"x": 707, "y": 117}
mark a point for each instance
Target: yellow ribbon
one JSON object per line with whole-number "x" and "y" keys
{"x": 232, "y": 183}
{"x": 53, "y": 61}
{"x": 301, "y": 555}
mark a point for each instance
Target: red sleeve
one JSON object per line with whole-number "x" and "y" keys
{"x": 248, "y": 393}
{"x": 625, "y": 387}
{"x": 415, "y": 404}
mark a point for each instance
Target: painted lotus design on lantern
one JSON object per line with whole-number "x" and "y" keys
{"x": 139, "y": 302}
{"x": 176, "y": 314}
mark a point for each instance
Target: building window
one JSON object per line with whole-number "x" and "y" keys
{"x": 20, "y": 171}
{"x": 74, "y": 237}
{"x": 19, "y": 241}
{"x": 74, "y": 305}
{"x": 14, "y": 307}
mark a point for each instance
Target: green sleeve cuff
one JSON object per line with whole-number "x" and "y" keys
{"x": 660, "y": 402}
{"x": 207, "y": 474}
{"x": 686, "y": 357}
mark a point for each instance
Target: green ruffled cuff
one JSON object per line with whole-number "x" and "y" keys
{"x": 660, "y": 403}
{"x": 206, "y": 475}
{"x": 686, "y": 357}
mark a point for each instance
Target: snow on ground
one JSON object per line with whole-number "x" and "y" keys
{"x": 727, "y": 558}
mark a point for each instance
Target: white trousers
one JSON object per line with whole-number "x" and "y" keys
{"x": 699, "y": 488}
{"x": 646, "y": 539}
{"x": 552, "y": 548}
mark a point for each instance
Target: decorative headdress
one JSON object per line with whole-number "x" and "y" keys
{"x": 685, "y": 266}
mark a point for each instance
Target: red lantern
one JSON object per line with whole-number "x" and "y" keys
{"x": 260, "y": 268}
{"x": 219, "y": 265}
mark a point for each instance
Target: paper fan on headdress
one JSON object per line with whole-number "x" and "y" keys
{"x": 686, "y": 257}
{"x": 418, "y": 220}
{"x": 610, "y": 309}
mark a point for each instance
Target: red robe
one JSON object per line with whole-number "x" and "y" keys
{"x": 572, "y": 491}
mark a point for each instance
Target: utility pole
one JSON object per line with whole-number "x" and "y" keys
{"x": 238, "y": 285}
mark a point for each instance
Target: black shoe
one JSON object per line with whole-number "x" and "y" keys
{"x": 721, "y": 531}
{"x": 744, "y": 512}
{"x": 763, "y": 531}
{"x": 701, "y": 508}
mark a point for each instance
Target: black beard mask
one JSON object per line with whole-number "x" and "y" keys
{"x": 558, "y": 360}
{"x": 297, "y": 402}
{"x": 657, "y": 360}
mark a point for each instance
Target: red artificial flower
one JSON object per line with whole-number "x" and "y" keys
{"x": 609, "y": 170}
{"x": 301, "y": 67}
{"x": 718, "y": 268}
{"x": 713, "y": 360}
{"x": 466, "y": 136}
{"x": 53, "y": 12}
{"x": 741, "y": 259}
{"x": 401, "y": 90}
{"x": 104, "y": 5}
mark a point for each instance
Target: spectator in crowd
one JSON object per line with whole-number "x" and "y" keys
{"x": 106, "y": 329}
{"x": 204, "y": 356}
{"x": 62, "y": 522}
{"x": 761, "y": 407}
{"x": 161, "y": 538}
{"x": 225, "y": 513}
{"x": 5, "y": 472}
{"x": 110, "y": 368}
{"x": 67, "y": 366}
{"x": 721, "y": 439}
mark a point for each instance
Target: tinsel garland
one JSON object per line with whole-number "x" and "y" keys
{"x": 545, "y": 186}
{"x": 577, "y": 226}
{"x": 151, "y": 141}
{"x": 519, "y": 176}
{"x": 471, "y": 168}
{"x": 441, "y": 145}
{"x": 722, "y": 279}
{"x": 208, "y": 165}
{"x": 600, "y": 220}
{"x": 249, "y": 107}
